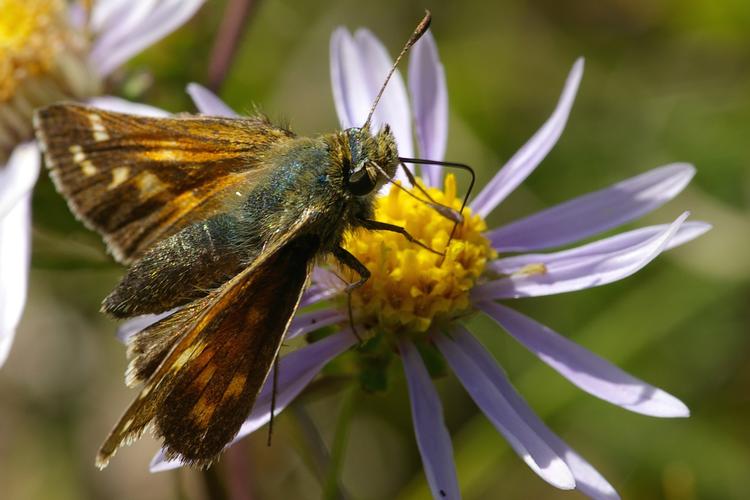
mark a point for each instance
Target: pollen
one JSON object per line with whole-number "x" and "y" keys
{"x": 411, "y": 288}
{"x": 43, "y": 59}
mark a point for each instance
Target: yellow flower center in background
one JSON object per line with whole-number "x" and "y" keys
{"x": 412, "y": 288}
{"x": 30, "y": 34}
{"x": 42, "y": 60}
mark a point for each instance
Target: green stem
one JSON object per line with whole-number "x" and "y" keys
{"x": 212, "y": 482}
{"x": 331, "y": 488}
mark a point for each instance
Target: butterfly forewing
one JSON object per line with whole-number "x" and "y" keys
{"x": 205, "y": 386}
{"x": 138, "y": 179}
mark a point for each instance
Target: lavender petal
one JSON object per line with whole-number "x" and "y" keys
{"x": 18, "y": 176}
{"x": 315, "y": 294}
{"x": 393, "y": 108}
{"x": 619, "y": 242}
{"x": 310, "y": 321}
{"x": 296, "y": 370}
{"x": 359, "y": 66}
{"x": 209, "y": 103}
{"x": 571, "y": 274}
{"x": 15, "y": 249}
{"x": 110, "y": 16}
{"x": 587, "y": 479}
{"x": 350, "y": 94}
{"x": 430, "y": 101}
{"x": 433, "y": 439}
{"x": 540, "y": 457}
{"x": 119, "y": 105}
{"x": 533, "y": 152}
{"x": 594, "y": 212}
{"x": 124, "y": 32}
{"x": 134, "y": 325}
{"x": 583, "y": 368}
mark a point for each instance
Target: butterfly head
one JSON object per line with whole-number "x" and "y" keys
{"x": 373, "y": 160}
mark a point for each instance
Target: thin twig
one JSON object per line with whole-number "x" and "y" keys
{"x": 315, "y": 452}
{"x": 212, "y": 482}
{"x": 238, "y": 471}
{"x": 332, "y": 486}
{"x": 235, "y": 20}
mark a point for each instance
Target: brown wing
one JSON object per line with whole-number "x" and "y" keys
{"x": 200, "y": 393}
{"x": 139, "y": 179}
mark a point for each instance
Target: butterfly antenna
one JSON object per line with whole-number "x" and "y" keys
{"x": 444, "y": 210}
{"x": 420, "y": 30}
{"x": 461, "y": 166}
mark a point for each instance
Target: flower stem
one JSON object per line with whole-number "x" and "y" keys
{"x": 212, "y": 482}
{"x": 238, "y": 471}
{"x": 331, "y": 487}
{"x": 236, "y": 18}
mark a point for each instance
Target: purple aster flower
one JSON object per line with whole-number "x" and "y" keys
{"x": 50, "y": 53}
{"x": 415, "y": 297}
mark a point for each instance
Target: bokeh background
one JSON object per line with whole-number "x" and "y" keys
{"x": 665, "y": 81}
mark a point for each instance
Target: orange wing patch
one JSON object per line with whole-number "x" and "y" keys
{"x": 139, "y": 179}
{"x": 223, "y": 347}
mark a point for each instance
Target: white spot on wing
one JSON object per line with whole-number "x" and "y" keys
{"x": 97, "y": 128}
{"x": 88, "y": 168}
{"x": 149, "y": 185}
{"x": 79, "y": 158}
{"x": 119, "y": 175}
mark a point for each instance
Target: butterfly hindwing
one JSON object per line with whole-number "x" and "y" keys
{"x": 206, "y": 384}
{"x": 139, "y": 179}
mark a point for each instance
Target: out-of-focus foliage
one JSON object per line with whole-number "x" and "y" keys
{"x": 665, "y": 81}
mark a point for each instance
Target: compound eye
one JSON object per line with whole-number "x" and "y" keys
{"x": 360, "y": 183}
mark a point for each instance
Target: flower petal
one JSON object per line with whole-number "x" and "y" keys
{"x": 311, "y": 321}
{"x": 315, "y": 294}
{"x": 15, "y": 248}
{"x": 569, "y": 274}
{"x": 687, "y": 232}
{"x": 134, "y": 325}
{"x": 359, "y": 66}
{"x": 350, "y": 90}
{"x": 296, "y": 370}
{"x": 429, "y": 95}
{"x": 18, "y": 176}
{"x": 542, "y": 459}
{"x": 594, "y": 212}
{"x": 433, "y": 439}
{"x": 533, "y": 152}
{"x": 209, "y": 103}
{"x": 583, "y": 368}
{"x": 127, "y": 28}
{"x": 119, "y": 105}
{"x": 326, "y": 284}
{"x": 108, "y": 17}
{"x": 587, "y": 479}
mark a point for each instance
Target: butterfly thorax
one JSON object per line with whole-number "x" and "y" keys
{"x": 334, "y": 178}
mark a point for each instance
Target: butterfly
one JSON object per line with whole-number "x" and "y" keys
{"x": 221, "y": 219}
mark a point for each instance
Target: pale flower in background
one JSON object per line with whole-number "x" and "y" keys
{"x": 411, "y": 299}
{"x": 48, "y": 52}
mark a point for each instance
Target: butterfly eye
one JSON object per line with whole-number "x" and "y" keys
{"x": 361, "y": 182}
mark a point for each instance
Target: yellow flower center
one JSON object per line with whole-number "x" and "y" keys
{"x": 42, "y": 60}
{"x": 412, "y": 288}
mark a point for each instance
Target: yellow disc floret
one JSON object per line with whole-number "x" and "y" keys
{"x": 30, "y": 35}
{"x": 42, "y": 60}
{"x": 412, "y": 288}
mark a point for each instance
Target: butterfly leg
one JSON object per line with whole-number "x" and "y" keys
{"x": 273, "y": 397}
{"x": 376, "y": 225}
{"x": 350, "y": 261}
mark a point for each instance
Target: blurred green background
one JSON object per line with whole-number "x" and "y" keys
{"x": 665, "y": 81}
